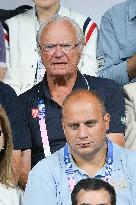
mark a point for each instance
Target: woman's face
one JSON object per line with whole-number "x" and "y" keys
{"x": 46, "y": 3}
{"x": 1, "y": 139}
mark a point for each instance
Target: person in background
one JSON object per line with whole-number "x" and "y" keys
{"x": 61, "y": 43}
{"x": 24, "y": 66}
{"x": 21, "y": 135}
{"x": 130, "y": 109}
{"x": 9, "y": 193}
{"x": 88, "y": 153}
{"x": 93, "y": 192}
{"x": 2, "y": 53}
{"x": 116, "y": 52}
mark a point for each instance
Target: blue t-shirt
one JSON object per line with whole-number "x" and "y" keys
{"x": 48, "y": 182}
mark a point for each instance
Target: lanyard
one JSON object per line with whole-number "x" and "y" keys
{"x": 70, "y": 172}
{"x": 43, "y": 129}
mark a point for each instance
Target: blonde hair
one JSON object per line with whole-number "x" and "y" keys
{"x": 6, "y": 153}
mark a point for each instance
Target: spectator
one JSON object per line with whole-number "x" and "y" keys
{"x": 130, "y": 106}
{"x": 87, "y": 153}
{"x": 21, "y": 135}
{"x": 93, "y": 191}
{"x": 9, "y": 194}
{"x": 24, "y": 67}
{"x": 7, "y": 14}
{"x": 61, "y": 59}
{"x": 116, "y": 45}
{"x": 2, "y": 54}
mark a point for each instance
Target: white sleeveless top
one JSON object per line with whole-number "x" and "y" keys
{"x": 11, "y": 195}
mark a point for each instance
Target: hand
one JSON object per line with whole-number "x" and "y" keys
{"x": 2, "y": 73}
{"x": 132, "y": 67}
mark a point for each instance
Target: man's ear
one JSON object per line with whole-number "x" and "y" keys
{"x": 62, "y": 122}
{"x": 106, "y": 119}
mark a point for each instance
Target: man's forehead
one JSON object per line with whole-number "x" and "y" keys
{"x": 84, "y": 100}
{"x": 58, "y": 25}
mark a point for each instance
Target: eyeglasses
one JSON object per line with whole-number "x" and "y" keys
{"x": 51, "y": 48}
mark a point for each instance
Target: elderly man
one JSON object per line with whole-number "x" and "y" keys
{"x": 24, "y": 67}
{"x": 93, "y": 192}
{"x": 61, "y": 43}
{"x": 87, "y": 153}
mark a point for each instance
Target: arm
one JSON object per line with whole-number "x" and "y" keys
{"x": 2, "y": 72}
{"x": 130, "y": 107}
{"x": 108, "y": 53}
{"x": 2, "y": 54}
{"x": 132, "y": 67}
{"x": 117, "y": 138}
{"x": 21, "y": 165}
{"x": 11, "y": 75}
{"x": 25, "y": 167}
{"x": 88, "y": 59}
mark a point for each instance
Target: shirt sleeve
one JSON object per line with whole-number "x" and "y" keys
{"x": 88, "y": 59}
{"x": 115, "y": 105}
{"x": 2, "y": 48}
{"x": 11, "y": 77}
{"x": 130, "y": 109}
{"x": 15, "y": 112}
{"x": 110, "y": 65}
{"x": 88, "y": 62}
{"x": 40, "y": 190}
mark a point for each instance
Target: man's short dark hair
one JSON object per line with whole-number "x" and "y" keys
{"x": 93, "y": 184}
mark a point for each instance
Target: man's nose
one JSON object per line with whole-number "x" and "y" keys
{"x": 83, "y": 132}
{"x": 58, "y": 51}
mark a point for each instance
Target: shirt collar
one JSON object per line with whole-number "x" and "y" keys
{"x": 79, "y": 84}
{"x": 101, "y": 172}
{"x": 131, "y": 9}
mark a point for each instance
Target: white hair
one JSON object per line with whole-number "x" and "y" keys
{"x": 79, "y": 33}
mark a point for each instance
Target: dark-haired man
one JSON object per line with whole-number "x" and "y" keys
{"x": 93, "y": 192}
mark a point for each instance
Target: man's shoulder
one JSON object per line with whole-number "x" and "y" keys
{"x": 131, "y": 87}
{"x": 6, "y": 90}
{"x": 55, "y": 160}
{"x": 102, "y": 82}
{"x": 32, "y": 93}
{"x": 78, "y": 17}
{"x": 21, "y": 17}
{"x": 117, "y": 9}
{"x": 127, "y": 156}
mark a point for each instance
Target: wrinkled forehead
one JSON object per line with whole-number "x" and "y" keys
{"x": 58, "y": 30}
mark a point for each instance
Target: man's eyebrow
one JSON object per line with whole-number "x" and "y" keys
{"x": 90, "y": 204}
{"x": 85, "y": 204}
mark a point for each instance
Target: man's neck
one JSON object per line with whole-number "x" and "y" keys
{"x": 61, "y": 86}
{"x": 43, "y": 14}
{"x": 93, "y": 163}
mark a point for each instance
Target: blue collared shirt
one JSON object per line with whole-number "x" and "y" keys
{"x": 117, "y": 41}
{"x": 48, "y": 182}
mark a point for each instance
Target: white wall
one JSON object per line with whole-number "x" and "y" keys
{"x": 92, "y": 8}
